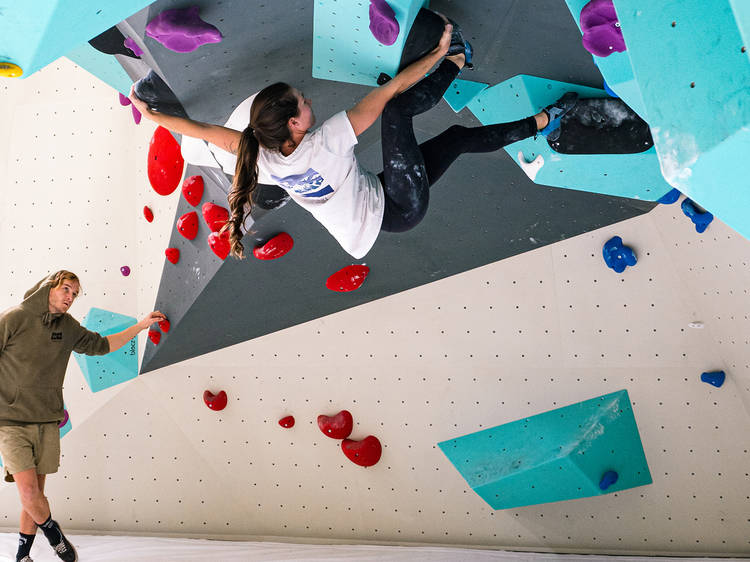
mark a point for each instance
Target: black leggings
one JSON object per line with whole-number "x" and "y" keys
{"x": 409, "y": 169}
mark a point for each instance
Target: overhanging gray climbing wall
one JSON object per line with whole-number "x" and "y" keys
{"x": 483, "y": 210}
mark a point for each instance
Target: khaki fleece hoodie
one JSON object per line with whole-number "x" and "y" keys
{"x": 35, "y": 347}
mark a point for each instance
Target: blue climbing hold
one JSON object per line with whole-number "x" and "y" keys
{"x": 701, "y": 219}
{"x": 609, "y": 478}
{"x": 609, "y": 90}
{"x": 669, "y": 197}
{"x": 715, "y": 378}
{"x": 617, "y": 255}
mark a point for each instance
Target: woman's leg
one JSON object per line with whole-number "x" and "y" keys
{"x": 405, "y": 179}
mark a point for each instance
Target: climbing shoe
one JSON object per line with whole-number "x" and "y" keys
{"x": 460, "y": 45}
{"x": 65, "y": 550}
{"x": 555, "y": 113}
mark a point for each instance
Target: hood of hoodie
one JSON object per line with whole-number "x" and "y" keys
{"x": 36, "y": 301}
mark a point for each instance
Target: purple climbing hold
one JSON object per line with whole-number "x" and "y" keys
{"x": 124, "y": 100}
{"x": 383, "y": 23}
{"x": 602, "y": 35}
{"x": 136, "y": 115}
{"x": 133, "y": 46}
{"x": 65, "y": 419}
{"x": 125, "y": 270}
{"x": 182, "y": 31}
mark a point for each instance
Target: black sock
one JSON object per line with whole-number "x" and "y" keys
{"x": 51, "y": 530}
{"x": 24, "y": 545}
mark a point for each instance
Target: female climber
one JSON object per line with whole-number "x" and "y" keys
{"x": 318, "y": 168}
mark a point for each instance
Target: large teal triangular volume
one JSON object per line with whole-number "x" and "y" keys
{"x": 461, "y": 92}
{"x": 104, "y": 371}
{"x": 558, "y": 455}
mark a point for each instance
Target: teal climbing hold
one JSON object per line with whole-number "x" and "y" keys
{"x": 460, "y": 93}
{"x": 36, "y": 33}
{"x": 558, "y": 455}
{"x": 636, "y": 176}
{"x": 344, "y": 48}
{"x": 104, "y": 371}
{"x": 105, "y": 67}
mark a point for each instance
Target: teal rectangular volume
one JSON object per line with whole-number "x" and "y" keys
{"x": 558, "y": 455}
{"x": 104, "y": 371}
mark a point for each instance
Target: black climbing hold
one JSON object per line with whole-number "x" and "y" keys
{"x": 155, "y": 92}
{"x": 112, "y": 42}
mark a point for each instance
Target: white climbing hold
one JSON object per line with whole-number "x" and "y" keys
{"x": 532, "y": 168}
{"x": 695, "y": 325}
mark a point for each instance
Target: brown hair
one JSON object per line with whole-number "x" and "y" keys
{"x": 270, "y": 113}
{"x": 56, "y": 279}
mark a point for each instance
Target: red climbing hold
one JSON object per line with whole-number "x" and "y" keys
{"x": 215, "y": 216}
{"x": 364, "y": 453}
{"x": 287, "y": 422}
{"x": 165, "y": 162}
{"x": 148, "y": 214}
{"x": 173, "y": 254}
{"x": 220, "y": 243}
{"x": 338, "y": 426}
{"x": 154, "y": 336}
{"x": 275, "y": 247}
{"x": 187, "y": 225}
{"x": 164, "y": 325}
{"x": 348, "y": 279}
{"x": 215, "y": 401}
{"x": 192, "y": 189}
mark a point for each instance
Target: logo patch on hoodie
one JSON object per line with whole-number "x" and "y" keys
{"x": 56, "y": 336}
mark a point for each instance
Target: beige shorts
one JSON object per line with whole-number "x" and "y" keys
{"x": 36, "y": 445}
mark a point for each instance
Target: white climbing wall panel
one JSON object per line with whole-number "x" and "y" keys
{"x": 508, "y": 340}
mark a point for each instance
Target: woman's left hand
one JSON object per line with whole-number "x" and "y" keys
{"x": 139, "y": 104}
{"x": 445, "y": 41}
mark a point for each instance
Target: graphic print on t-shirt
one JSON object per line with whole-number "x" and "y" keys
{"x": 306, "y": 184}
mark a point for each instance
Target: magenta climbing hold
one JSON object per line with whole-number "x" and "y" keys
{"x": 602, "y": 35}
{"x": 219, "y": 244}
{"x": 133, "y": 46}
{"x": 124, "y": 100}
{"x": 215, "y": 401}
{"x": 215, "y": 216}
{"x": 173, "y": 255}
{"x": 336, "y": 427}
{"x": 165, "y": 162}
{"x": 65, "y": 419}
{"x": 187, "y": 225}
{"x": 136, "y": 114}
{"x": 192, "y": 189}
{"x": 348, "y": 278}
{"x": 275, "y": 247}
{"x": 125, "y": 270}
{"x": 364, "y": 453}
{"x": 383, "y": 23}
{"x": 148, "y": 214}
{"x": 182, "y": 30}
{"x": 287, "y": 422}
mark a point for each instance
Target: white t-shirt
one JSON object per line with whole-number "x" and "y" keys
{"x": 323, "y": 176}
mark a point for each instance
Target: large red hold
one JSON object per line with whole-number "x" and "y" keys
{"x": 364, "y": 453}
{"x": 215, "y": 401}
{"x": 187, "y": 225}
{"x": 192, "y": 189}
{"x": 165, "y": 162}
{"x": 173, "y": 254}
{"x": 215, "y": 216}
{"x": 148, "y": 214}
{"x": 337, "y": 427}
{"x": 348, "y": 279}
{"x": 287, "y": 422}
{"x": 275, "y": 247}
{"x": 154, "y": 336}
{"x": 219, "y": 243}
{"x": 164, "y": 325}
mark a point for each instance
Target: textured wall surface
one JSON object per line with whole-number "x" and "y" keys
{"x": 518, "y": 337}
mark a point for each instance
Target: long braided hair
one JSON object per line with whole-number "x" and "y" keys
{"x": 270, "y": 113}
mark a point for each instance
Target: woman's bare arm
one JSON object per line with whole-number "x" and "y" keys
{"x": 224, "y": 138}
{"x": 367, "y": 111}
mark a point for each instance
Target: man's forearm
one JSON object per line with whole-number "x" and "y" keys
{"x": 116, "y": 341}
